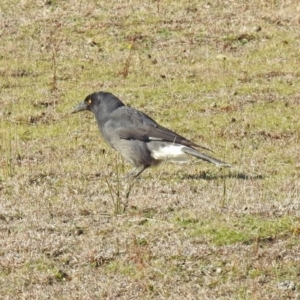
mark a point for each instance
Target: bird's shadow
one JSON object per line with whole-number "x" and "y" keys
{"x": 211, "y": 176}
{"x": 203, "y": 175}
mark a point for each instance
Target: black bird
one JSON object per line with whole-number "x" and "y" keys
{"x": 139, "y": 139}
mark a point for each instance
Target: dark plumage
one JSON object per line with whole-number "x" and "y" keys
{"x": 139, "y": 139}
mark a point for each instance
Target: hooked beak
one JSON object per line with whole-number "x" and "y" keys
{"x": 80, "y": 107}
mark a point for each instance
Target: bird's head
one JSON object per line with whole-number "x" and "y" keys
{"x": 101, "y": 103}
{"x": 86, "y": 104}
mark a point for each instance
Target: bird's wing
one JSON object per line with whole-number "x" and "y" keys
{"x": 131, "y": 124}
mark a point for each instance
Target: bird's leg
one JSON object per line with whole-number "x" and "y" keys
{"x": 135, "y": 172}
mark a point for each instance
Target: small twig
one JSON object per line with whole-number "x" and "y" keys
{"x": 119, "y": 191}
{"x": 125, "y": 70}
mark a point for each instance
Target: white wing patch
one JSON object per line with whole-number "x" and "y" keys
{"x": 171, "y": 152}
{"x": 154, "y": 139}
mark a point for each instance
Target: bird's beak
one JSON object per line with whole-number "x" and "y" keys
{"x": 80, "y": 107}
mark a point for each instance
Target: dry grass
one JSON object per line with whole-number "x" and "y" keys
{"x": 223, "y": 73}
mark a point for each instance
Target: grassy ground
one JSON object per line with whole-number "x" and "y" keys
{"x": 224, "y": 74}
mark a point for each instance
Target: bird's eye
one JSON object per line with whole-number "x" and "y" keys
{"x": 89, "y": 101}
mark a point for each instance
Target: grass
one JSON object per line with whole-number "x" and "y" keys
{"x": 223, "y": 74}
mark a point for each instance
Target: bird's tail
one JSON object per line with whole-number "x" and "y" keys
{"x": 205, "y": 157}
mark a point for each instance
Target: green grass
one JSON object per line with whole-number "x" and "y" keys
{"x": 189, "y": 231}
{"x": 246, "y": 230}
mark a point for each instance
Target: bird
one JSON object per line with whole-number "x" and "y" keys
{"x": 140, "y": 140}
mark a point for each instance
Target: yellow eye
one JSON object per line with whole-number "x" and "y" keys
{"x": 89, "y": 101}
